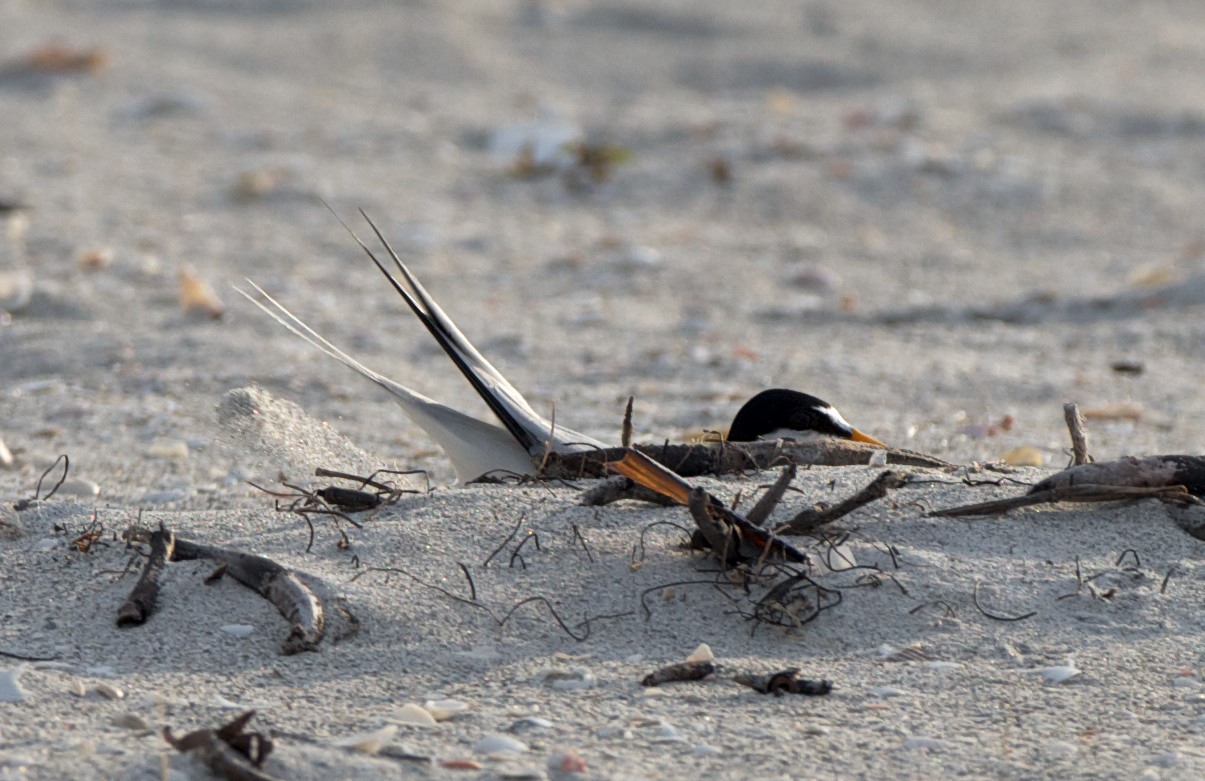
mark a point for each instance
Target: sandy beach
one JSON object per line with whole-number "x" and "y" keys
{"x": 948, "y": 220}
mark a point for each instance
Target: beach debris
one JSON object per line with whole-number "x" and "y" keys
{"x": 175, "y": 450}
{"x": 1056, "y": 674}
{"x": 1133, "y": 368}
{"x": 570, "y": 680}
{"x": 279, "y": 585}
{"x": 702, "y": 653}
{"x": 197, "y": 296}
{"x": 784, "y": 682}
{"x": 228, "y": 751}
{"x": 10, "y": 684}
{"x": 1122, "y": 410}
{"x": 57, "y": 58}
{"x": 141, "y": 603}
{"x": 499, "y": 745}
{"x": 566, "y": 761}
{"x": 1177, "y": 479}
{"x": 717, "y": 458}
{"x": 368, "y": 742}
{"x": 337, "y": 501}
{"x": 445, "y": 710}
{"x": 530, "y": 724}
{"x": 683, "y": 671}
{"x": 1023, "y": 455}
{"x": 1078, "y": 432}
{"x": 95, "y": 259}
{"x": 414, "y": 714}
{"x": 460, "y": 764}
{"x": 109, "y": 691}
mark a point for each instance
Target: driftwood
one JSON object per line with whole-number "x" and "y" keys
{"x": 141, "y": 603}
{"x": 1178, "y": 480}
{"x": 1079, "y": 437}
{"x": 724, "y": 458}
{"x": 784, "y": 682}
{"x": 279, "y": 585}
{"x": 810, "y": 520}
{"x": 1144, "y": 472}
{"x": 228, "y": 751}
{"x": 683, "y": 671}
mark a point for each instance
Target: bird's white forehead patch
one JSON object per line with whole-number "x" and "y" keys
{"x": 835, "y": 417}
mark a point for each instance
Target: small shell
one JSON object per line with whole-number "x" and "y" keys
{"x": 6, "y": 455}
{"x": 443, "y": 710}
{"x": 701, "y": 654}
{"x": 491, "y": 745}
{"x": 368, "y": 742}
{"x": 108, "y": 691}
{"x": 10, "y": 684}
{"x": 1024, "y": 455}
{"x": 566, "y": 762}
{"x": 1056, "y": 674}
{"x": 197, "y": 296}
{"x": 410, "y": 713}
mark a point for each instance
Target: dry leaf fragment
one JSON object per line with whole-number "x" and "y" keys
{"x": 197, "y": 296}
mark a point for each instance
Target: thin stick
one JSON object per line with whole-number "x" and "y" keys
{"x": 1079, "y": 436}
{"x": 141, "y": 603}
{"x": 625, "y": 437}
{"x": 810, "y": 520}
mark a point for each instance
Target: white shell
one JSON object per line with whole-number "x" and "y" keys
{"x": 490, "y": 745}
{"x": 1057, "y": 674}
{"x": 442, "y": 710}
{"x": 109, "y": 691}
{"x": 10, "y": 684}
{"x": 701, "y": 654}
{"x": 368, "y": 742}
{"x": 411, "y": 713}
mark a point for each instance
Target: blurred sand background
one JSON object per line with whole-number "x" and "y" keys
{"x": 945, "y": 218}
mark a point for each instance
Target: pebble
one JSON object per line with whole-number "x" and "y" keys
{"x": 10, "y": 684}
{"x": 570, "y": 680}
{"x": 412, "y": 713}
{"x": 368, "y": 742}
{"x": 491, "y": 745}
{"x": 239, "y": 630}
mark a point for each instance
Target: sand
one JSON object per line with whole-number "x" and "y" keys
{"x": 947, "y": 220}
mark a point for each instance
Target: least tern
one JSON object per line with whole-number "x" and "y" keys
{"x": 475, "y": 448}
{"x": 780, "y": 413}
